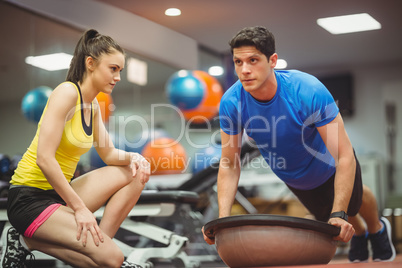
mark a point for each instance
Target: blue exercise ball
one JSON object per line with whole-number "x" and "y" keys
{"x": 94, "y": 158}
{"x": 143, "y": 138}
{"x": 4, "y": 164}
{"x": 34, "y": 102}
{"x": 14, "y": 161}
{"x": 184, "y": 90}
{"x": 206, "y": 157}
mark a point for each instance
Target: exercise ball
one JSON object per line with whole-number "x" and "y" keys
{"x": 262, "y": 240}
{"x": 34, "y": 102}
{"x": 143, "y": 138}
{"x": 94, "y": 158}
{"x": 209, "y": 105}
{"x": 184, "y": 90}
{"x": 166, "y": 156}
{"x": 14, "y": 162}
{"x": 206, "y": 157}
{"x": 4, "y": 164}
{"x": 106, "y": 105}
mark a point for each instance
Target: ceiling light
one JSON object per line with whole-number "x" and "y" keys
{"x": 281, "y": 64}
{"x": 183, "y": 73}
{"x": 349, "y": 23}
{"x": 50, "y": 62}
{"x": 215, "y": 70}
{"x": 172, "y": 12}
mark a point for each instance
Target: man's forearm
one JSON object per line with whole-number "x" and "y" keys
{"x": 343, "y": 185}
{"x": 228, "y": 179}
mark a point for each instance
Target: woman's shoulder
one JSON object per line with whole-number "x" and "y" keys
{"x": 67, "y": 86}
{"x": 66, "y": 90}
{"x": 64, "y": 95}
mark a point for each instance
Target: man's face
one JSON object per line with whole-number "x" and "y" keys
{"x": 252, "y": 67}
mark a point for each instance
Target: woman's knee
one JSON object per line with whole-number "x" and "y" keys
{"x": 112, "y": 257}
{"x": 123, "y": 173}
{"x": 130, "y": 177}
{"x": 127, "y": 173}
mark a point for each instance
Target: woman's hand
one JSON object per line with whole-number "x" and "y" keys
{"x": 140, "y": 167}
{"x": 86, "y": 222}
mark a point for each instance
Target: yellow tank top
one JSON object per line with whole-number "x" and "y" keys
{"x": 76, "y": 140}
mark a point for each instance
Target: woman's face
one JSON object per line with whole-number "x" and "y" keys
{"x": 106, "y": 72}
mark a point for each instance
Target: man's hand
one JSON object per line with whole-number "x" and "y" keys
{"x": 206, "y": 238}
{"x": 347, "y": 230}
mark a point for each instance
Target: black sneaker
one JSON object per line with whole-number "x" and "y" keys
{"x": 381, "y": 243}
{"x": 127, "y": 264}
{"x": 14, "y": 254}
{"x": 358, "y": 251}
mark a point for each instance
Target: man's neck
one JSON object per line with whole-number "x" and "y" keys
{"x": 267, "y": 92}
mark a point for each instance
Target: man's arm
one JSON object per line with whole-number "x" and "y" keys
{"x": 338, "y": 144}
{"x": 228, "y": 175}
{"x": 229, "y": 172}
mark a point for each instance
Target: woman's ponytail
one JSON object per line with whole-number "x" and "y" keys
{"x": 91, "y": 44}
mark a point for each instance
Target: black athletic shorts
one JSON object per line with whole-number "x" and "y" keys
{"x": 29, "y": 207}
{"x": 319, "y": 201}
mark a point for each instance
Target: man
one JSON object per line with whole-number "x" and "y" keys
{"x": 294, "y": 120}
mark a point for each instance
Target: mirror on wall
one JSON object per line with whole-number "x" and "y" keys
{"x": 139, "y": 100}
{"x": 27, "y": 34}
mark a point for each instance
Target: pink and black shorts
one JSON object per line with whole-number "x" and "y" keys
{"x": 29, "y": 207}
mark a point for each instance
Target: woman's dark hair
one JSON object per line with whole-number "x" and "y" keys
{"x": 257, "y": 36}
{"x": 91, "y": 44}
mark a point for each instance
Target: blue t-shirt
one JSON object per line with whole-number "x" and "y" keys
{"x": 285, "y": 127}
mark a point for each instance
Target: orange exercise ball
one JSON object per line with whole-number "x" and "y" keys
{"x": 166, "y": 156}
{"x": 209, "y": 105}
{"x": 106, "y": 105}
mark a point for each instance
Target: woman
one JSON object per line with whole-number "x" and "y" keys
{"x": 50, "y": 212}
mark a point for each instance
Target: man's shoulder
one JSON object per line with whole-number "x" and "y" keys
{"x": 233, "y": 93}
{"x": 295, "y": 75}
{"x": 300, "y": 83}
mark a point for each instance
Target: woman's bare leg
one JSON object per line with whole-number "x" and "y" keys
{"x": 57, "y": 235}
{"x": 121, "y": 195}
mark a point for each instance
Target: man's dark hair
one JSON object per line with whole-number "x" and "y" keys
{"x": 257, "y": 36}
